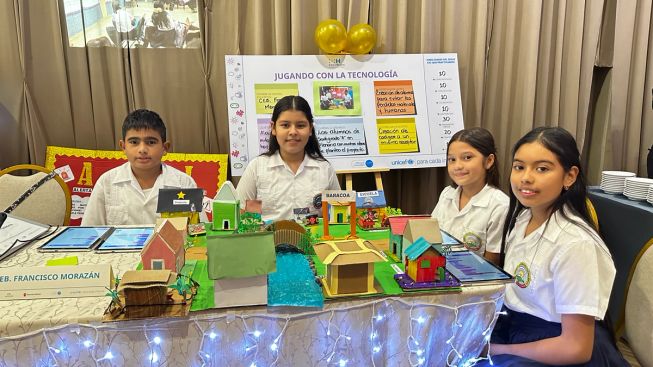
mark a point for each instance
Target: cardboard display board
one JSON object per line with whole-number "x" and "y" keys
{"x": 80, "y": 169}
{"x": 371, "y": 111}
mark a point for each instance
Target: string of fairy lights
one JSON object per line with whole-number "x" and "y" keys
{"x": 456, "y": 334}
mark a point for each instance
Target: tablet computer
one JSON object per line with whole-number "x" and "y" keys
{"x": 76, "y": 239}
{"x": 126, "y": 239}
{"x": 469, "y": 267}
{"x": 448, "y": 239}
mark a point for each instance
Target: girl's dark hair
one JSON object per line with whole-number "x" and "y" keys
{"x": 296, "y": 103}
{"x": 561, "y": 143}
{"x": 480, "y": 139}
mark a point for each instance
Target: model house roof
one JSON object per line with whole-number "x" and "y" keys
{"x": 169, "y": 235}
{"x": 417, "y": 248}
{"x": 347, "y": 252}
{"x": 398, "y": 222}
{"x": 427, "y": 228}
{"x": 226, "y": 193}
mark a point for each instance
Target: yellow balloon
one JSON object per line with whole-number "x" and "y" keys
{"x": 361, "y": 39}
{"x": 331, "y": 36}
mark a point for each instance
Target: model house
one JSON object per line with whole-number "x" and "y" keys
{"x": 429, "y": 229}
{"x": 424, "y": 263}
{"x": 370, "y": 207}
{"x": 226, "y": 208}
{"x": 349, "y": 266}
{"x": 397, "y": 227}
{"x": 239, "y": 265}
{"x": 338, "y": 206}
{"x": 165, "y": 250}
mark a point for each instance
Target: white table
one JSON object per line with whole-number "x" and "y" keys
{"x": 383, "y": 331}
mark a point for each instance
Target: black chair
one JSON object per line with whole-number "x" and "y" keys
{"x": 157, "y": 38}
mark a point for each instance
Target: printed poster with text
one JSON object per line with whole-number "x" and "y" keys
{"x": 370, "y": 111}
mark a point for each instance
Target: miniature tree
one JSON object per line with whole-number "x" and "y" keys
{"x": 181, "y": 287}
{"x": 307, "y": 242}
{"x": 250, "y": 222}
{"x": 392, "y": 211}
{"x": 115, "y": 307}
{"x": 115, "y": 298}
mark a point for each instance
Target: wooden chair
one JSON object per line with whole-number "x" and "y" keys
{"x": 637, "y": 342}
{"x": 592, "y": 213}
{"x": 49, "y": 204}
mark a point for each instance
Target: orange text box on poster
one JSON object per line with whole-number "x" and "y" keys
{"x": 394, "y": 97}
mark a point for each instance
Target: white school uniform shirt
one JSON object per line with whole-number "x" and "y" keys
{"x": 268, "y": 178}
{"x": 117, "y": 198}
{"x": 479, "y": 224}
{"x": 562, "y": 267}
{"x": 123, "y": 21}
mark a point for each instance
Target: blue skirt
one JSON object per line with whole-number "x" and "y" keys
{"x": 517, "y": 327}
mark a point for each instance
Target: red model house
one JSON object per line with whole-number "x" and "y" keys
{"x": 165, "y": 250}
{"x": 424, "y": 263}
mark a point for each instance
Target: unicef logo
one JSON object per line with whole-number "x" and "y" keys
{"x": 410, "y": 161}
{"x": 522, "y": 275}
{"x": 369, "y": 163}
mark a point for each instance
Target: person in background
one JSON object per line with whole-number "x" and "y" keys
{"x": 293, "y": 171}
{"x": 125, "y": 24}
{"x": 128, "y": 194}
{"x": 563, "y": 270}
{"x": 473, "y": 208}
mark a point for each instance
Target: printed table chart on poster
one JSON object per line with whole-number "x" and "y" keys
{"x": 370, "y": 112}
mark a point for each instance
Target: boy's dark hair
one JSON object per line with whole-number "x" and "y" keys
{"x": 295, "y": 103}
{"x": 116, "y": 5}
{"x": 563, "y": 145}
{"x": 144, "y": 119}
{"x": 480, "y": 139}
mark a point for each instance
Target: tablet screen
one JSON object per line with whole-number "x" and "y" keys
{"x": 448, "y": 239}
{"x": 127, "y": 239}
{"x": 76, "y": 239}
{"x": 469, "y": 267}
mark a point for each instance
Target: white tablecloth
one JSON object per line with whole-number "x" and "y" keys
{"x": 420, "y": 329}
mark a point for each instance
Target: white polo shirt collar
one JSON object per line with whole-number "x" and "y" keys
{"x": 276, "y": 161}
{"x": 481, "y": 199}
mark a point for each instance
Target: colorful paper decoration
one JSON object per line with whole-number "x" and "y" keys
{"x": 80, "y": 169}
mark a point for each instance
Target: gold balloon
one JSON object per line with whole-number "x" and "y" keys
{"x": 361, "y": 39}
{"x": 331, "y": 36}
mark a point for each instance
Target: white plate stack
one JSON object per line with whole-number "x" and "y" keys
{"x": 637, "y": 187}
{"x": 613, "y": 182}
{"x": 649, "y": 197}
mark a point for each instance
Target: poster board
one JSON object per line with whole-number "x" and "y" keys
{"x": 370, "y": 111}
{"x": 80, "y": 169}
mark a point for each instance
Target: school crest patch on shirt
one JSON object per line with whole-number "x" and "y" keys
{"x": 472, "y": 241}
{"x": 522, "y": 275}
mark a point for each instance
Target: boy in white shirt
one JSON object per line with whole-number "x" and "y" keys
{"x": 128, "y": 194}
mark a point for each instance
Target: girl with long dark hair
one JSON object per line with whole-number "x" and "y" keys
{"x": 293, "y": 171}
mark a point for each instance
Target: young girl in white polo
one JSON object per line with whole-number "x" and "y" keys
{"x": 473, "y": 209}
{"x": 293, "y": 171}
{"x": 563, "y": 270}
